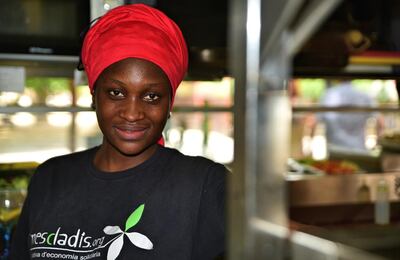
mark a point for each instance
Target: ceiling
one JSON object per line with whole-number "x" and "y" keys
{"x": 354, "y": 27}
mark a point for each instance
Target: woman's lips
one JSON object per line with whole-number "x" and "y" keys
{"x": 131, "y": 133}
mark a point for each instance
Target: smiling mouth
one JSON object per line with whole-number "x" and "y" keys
{"x": 131, "y": 133}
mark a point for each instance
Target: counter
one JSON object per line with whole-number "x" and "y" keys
{"x": 340, "y": 208}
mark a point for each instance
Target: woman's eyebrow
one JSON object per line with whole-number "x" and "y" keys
{"x": 117, "y": 81}
{"x": 149, "y": 85}
{"x": 156, "y": 84}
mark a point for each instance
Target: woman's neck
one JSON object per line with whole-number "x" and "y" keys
{"x": 109, "y": 159}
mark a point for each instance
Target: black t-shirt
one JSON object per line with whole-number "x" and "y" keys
{"x": 169, "y": 207}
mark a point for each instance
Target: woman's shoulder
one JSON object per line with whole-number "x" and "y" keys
{"x": 179, "y": 157}
{"x": 193, "y": 164}
{"x": 70, "y": 157}
{"x": 67, "y": 161}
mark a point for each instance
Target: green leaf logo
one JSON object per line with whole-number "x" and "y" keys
{"x": 134, "y": 217}
{"x": 137, "y": 239}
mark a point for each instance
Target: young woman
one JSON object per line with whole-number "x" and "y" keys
{"x": 130, "y": 197}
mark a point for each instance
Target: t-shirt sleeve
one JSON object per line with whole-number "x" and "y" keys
{"x": 19, "y": 245}
{"x": 19, "y": 240}
{"x": 209, "y": 240}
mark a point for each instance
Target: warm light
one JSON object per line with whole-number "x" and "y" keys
{"x": 319, "y": 143}
{"x": 86, "y": 120}
{"x": 23, "y": 119}
{"x": 60, "y": 100}
{"x": 220, "y": 147}
{"x": 192, "y": 142}
{"x": 7, "y": 98}
{"x": 217, "y": 92}
{"x": 25, "y": 101}
{"x": 318, "y": 146}
{"x": 84, "y": 101}
{"x": 390, "y": 87}
{"x": 371, "y": 135}
{"x": 174, "y": 137}
{"x": 306, "y": 145}
{"x": 36, "y": 156}
{"x": 371, "y": 141}
{"x": 59, "y": 119}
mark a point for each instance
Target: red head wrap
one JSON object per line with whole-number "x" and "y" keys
{"x": 135, "y": 31}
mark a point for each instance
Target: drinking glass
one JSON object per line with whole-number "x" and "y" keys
{"x": 11, "y": 201}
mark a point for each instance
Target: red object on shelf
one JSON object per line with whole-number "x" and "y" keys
{"x": 376, "y": 58}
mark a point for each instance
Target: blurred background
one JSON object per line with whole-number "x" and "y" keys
{"x": 299, "y": 98}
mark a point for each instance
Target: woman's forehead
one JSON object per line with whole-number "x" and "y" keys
{"x": 132, "y": 71}
{"x": 136, "y": 65}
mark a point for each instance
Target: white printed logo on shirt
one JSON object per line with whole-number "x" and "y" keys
{"x": 136, "y": 238}
{"x": 80, "y": 245}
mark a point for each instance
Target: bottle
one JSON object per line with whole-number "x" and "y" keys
{"x": 382, "y": 204}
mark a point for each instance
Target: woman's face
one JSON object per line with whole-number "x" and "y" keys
{"x": 132, "y": 100}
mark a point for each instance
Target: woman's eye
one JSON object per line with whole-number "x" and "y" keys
{"x": 115, "y": 93}
{"x": 151, "y": 97}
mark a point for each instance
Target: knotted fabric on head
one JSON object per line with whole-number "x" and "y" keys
{"x": 135, "y": 31}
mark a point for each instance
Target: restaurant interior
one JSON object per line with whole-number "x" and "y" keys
{"x": 255, "y": 98}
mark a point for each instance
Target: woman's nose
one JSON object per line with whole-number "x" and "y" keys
{"x": 132, "y": 110}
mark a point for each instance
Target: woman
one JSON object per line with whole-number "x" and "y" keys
{"x": 129, "y": 198}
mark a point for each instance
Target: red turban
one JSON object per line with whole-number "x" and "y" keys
{"x": 135, "y": 31}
